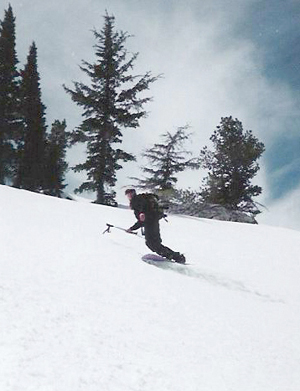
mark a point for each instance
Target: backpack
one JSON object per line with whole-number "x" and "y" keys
{"x": 153, "y": 206}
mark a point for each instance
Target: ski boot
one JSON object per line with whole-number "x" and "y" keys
{"x": 179, "y": 258}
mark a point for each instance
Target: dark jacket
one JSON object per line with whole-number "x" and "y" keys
{"x": 139, "y": 204}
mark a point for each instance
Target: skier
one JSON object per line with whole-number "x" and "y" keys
{"x": 148, "y": 217}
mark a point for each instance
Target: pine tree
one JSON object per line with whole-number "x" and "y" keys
{"x": 9, "y": 116}
{"x": 232, "y": 165}
{"x": 56, "y": 165}
{"x": 31, "y": 168}
{"x": 110, "y": 103}
{"x": 166, "y": 160}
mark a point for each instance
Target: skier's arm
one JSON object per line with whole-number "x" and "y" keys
{"x": 139, "y": 207}
{"x": 139, "y": 223}
{"x": 136, "y": 226}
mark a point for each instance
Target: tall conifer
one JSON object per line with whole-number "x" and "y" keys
{"x": 32, "y": 151}
{"x": 232, "y": 165}
{"x": 166, "y": 159}
{"x": 56, "y": 165}
{"x": 111, "y": 102}
{"x": 9, "y": 115}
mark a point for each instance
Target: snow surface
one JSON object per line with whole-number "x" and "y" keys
{"x": 80, "y": 310}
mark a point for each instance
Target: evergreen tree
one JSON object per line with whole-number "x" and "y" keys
{"x": 56, "y": 165}
{"x": 9, "y": 116}
{"x": 110, "y": 103}
{"x": 232, "y": 165}
{"x": 166, "y": 160}
{"x": 31, "y": 168}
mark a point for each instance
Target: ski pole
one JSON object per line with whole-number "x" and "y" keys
{"x": 109, "y": 226}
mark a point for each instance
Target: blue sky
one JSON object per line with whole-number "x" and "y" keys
{"x": 218, "y": 57}
{"x": 277, "y": 36}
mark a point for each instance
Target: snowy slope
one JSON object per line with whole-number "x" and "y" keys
{"x": 80, "y": 311}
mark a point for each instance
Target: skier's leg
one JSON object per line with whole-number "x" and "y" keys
{"x": 154, "y": 242}
{"x": 160, "y": 249}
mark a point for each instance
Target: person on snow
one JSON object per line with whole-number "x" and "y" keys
{"x": 148, "y": 217}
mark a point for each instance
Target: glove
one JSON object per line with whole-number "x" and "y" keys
{"x": 142, "y": 217}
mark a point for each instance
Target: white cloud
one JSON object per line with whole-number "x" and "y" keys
{"x": 285, "y": 212}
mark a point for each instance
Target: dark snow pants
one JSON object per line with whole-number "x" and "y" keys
{"x": 153, "y": 240}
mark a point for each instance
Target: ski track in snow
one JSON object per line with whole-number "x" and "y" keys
{"x": 191, "y": 271}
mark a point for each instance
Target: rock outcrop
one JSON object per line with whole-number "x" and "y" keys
{"x": 213, "y": 211}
